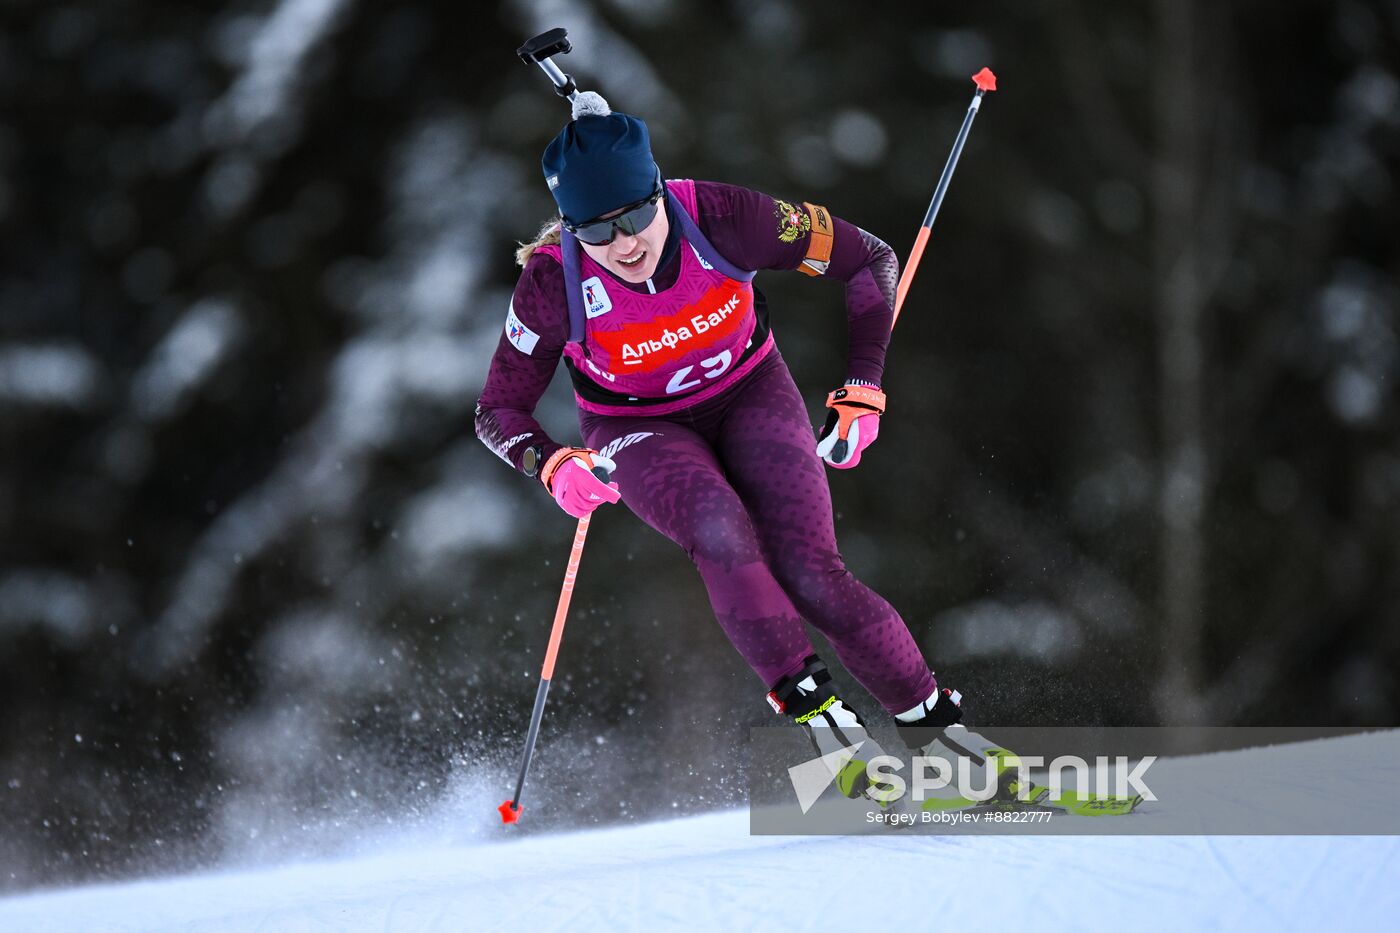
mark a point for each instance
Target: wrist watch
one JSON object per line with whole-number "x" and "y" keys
{"x": 532, "y": 459}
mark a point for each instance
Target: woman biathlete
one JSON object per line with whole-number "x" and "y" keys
{"x": 645, "y": 287}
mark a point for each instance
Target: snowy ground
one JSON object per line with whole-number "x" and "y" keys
{"x": 707, "y": 872}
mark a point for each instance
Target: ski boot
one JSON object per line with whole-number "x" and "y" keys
{"x": 807, "y": 697}
{"x": 939, "y": 733}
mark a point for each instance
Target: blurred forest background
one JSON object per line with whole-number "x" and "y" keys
{"x": 260, "y": 587}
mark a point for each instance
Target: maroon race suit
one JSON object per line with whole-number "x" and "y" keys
{"x": 726, "y": 465}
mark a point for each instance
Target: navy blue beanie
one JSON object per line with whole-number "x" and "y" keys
{"x": 599, "y": 162}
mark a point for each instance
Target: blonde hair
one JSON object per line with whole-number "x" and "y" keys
{"x": 548, "y": 235}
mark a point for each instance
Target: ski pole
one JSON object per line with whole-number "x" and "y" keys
{"x": 538, "y": 51}
{"x": 510, "y": 810}
{"x": 985, "y": 81}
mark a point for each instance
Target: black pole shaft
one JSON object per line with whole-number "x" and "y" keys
{"x": 947, "y": 175}
{"x": 530, "y": 738}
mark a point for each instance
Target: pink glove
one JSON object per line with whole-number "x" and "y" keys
{"x": 568, "y": 477}
{"x": 852, "y": 425}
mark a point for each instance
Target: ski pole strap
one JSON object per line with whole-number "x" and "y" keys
{"x": 820, "y": 240}
{"x": 557, "y": 459}
{"x": 861, "y": 396}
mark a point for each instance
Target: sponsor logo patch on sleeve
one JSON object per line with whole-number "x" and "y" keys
{"x": 522, "y": 337}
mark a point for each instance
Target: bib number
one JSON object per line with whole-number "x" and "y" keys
{"x": 717, "y": 365}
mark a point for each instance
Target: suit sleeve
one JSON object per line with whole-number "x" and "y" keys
{"x": 536, "y": 329}
{"x": 757, "y": 231}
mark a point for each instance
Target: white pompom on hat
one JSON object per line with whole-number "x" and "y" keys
{"x": 590, "y": 104}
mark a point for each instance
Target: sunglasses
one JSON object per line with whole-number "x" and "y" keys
{"x": 633, "y": 220}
